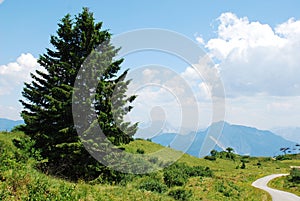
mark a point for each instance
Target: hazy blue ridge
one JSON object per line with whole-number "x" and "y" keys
{"x": 244, "y": 140}
{"x": 7, "y": 124}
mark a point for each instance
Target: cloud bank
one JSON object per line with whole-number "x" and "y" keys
{"x": 256, "y": 59}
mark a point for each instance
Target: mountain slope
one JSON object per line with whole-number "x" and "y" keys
{"x": 244, "y": 140}
{"x": 7, "y": 124}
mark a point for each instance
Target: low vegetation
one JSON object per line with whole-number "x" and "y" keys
{"x": 189, "y": 178}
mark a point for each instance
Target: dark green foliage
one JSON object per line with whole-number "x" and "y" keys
{"x": 283, "y": 157}
{"x": 243, "y": 166}
{"x": 178, "y": 173}
{"x": 284, "y": 149}
{"x": 258, "y": 164}
{"x": 109, "y": 176}
{"x": 214, "y": 153}
{"x": 48, "y": 98}
{"x": 295, "y": 175}
{"x": 181, "y": 194}
{"x": 140, "y": 151}
{"x": 210, "y": 158}
{"x": 26, "y": 146}
{"x": 17, "y": 128}
{"x": 228, "y": 154}
{"x": 244, "y": 160}
{"x": 201, "y": 171}
{"x": 153, "y": 185}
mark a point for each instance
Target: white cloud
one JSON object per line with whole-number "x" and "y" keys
{"x": 200, "y": 40}
{"x": 12, "y": 77}
{"x": 254, "y": 58}
{"x": 289, "y": 29}
{"x": 259, "y": 66}
{"x": 237, "y": 34}
{"x": 1, "y": 1}
{"x": 14, "y": 74}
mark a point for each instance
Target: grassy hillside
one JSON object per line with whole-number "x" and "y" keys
{"x": 19, "y": 180}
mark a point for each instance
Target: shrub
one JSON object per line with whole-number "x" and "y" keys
{"x": 243, "y": 166}
{"x": 295, "y": 174}
{"x": 153, "y": 185}
{"x": 174, "y": 178}
{"x": 181, "y": 194}
{"x": 211, "y": 158}
{"x": 197, "y": 171}
{"x": 258, "y": 164}
{"x": 26, "y": 146}
{"x": 140, "y": 151}
{"x": 283, "y": 157}
{"x": 176, "y": 175}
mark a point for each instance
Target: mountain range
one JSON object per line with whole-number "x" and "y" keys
{"x": 7, "y": 124}
{"x": 244, "y": 140}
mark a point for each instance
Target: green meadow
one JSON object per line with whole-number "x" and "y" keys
{"x": 189, "y": 178}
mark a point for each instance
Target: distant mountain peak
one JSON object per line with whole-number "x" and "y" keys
{"x": 243, "y": 139}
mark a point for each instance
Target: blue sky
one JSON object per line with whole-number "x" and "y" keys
{"x": 262, "y": 93}
{"x": 27, "y": 25}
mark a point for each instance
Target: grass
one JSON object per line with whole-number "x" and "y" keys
{"x": 19, "y": 180}
{"x": 284, "y": 183}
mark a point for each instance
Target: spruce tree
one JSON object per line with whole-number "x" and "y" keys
{"x": 48, "y": 98}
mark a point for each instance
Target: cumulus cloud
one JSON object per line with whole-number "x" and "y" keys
{"x": 12, "y": 77}
{"x": 14, "y": 74}
{"x": 255, "y": 58}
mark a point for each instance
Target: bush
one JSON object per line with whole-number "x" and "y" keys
{"x": 283, "y": 157}
{"x": 211, "y": 158}
{"x": 258, "y": 164}
{"x": 153, "y": 185}
{"x": 174, "y": 178}
{"x": 181, "y": 194}
{"x": 201, "y": 171}
{"x": 140, "y": 151}
{"x": 176, "y": 175}
{"x": 243, "y": 166}
{"x": 26, "y": 146}
{"x": 295, "y": 174}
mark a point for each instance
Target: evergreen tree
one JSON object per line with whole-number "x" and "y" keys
{"x": 48, "y": 98}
